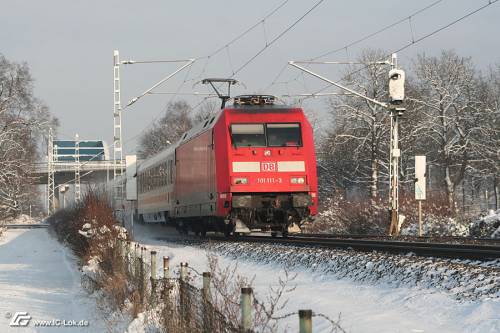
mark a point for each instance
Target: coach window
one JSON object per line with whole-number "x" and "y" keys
{"x": 284, "y": 135}
{"x": 248, "y": 135}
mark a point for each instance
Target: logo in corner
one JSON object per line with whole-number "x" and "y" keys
{"x": 20, "y": 319}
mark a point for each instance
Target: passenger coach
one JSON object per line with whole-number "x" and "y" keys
{"x": 252, "y": 166}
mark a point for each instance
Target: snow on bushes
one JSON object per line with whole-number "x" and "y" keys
{"x": 437, "y": 226}
{"x": 339, "y": 216}
{"x": 486, "y": 226}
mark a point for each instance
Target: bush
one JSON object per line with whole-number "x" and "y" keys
{"x": 339, "y": 216}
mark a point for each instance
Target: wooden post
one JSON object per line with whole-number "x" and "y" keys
{"x": 153, "y": 265}
{"x": 206, "y": 285}
{"x": 305, "y": 321}
{"x": 183, "y": 272}
{"x": 183, "y": 294}
{"x": 136, "y": 250}
{"x": 153, "y": 275}
{"x": 129, "y": 258}
{"x": 207, "y": 309}
{"x": 166, "y": 267}
{"x": 246, "y": 309}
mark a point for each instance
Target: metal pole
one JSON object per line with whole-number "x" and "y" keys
{"x": 166, "y": 268}
{"x": 338, "y": 85}
{"x": 54, "y": 161}
{"x": 395, "y": 153}
{"x": 305, "y": 321}
{"x": 246, "y": 309}
{"x": 132, "y": 223}
{"x": 51, "y": 152}
{"x": 77, "y": 170}
{"x": 420, "y": 218}
{"x": 117, "y": 131}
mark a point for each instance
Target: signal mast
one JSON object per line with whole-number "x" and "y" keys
{"x": 394, "y": 106}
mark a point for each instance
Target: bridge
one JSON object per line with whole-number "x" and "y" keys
{"x": 64, "y": 172}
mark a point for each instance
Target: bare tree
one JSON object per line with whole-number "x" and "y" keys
{"x": 486, "y": 160}
{"x": 358, "y": 142}
{"x": 23, "y": 120}
{"x": 452, "y": 111}
{"x": 178, "y": 118}
{"x": 167, "y": 130}
{"x": 208, "y": 109}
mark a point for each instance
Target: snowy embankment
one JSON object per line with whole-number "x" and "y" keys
{"x": 371, "y": 292}
{"x": 40, "y": 276}
{"x": 461, "y": 279}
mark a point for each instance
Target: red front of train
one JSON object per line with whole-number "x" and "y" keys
{"x": 266, "y": 167}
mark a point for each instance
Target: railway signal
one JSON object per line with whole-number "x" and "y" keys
{"x": 396, "y": 98}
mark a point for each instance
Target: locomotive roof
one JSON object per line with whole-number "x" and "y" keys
{"x": 205, "y": 125}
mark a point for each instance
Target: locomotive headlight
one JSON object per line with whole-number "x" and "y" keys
{"x": 240, "y": 181}
{"x": 297, "y": 180}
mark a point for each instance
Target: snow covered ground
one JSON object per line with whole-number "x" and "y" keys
{"x": 40, "y": 276}
{"x": 363, "y": 306}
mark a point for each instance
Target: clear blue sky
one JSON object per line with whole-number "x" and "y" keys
{"x": 69, "y": 46}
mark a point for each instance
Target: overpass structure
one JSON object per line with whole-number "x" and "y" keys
{"x": 71, "y": 163}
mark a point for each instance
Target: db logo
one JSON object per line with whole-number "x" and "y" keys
{"x": 268, "y": 166}
{"x": 20, "y": 319}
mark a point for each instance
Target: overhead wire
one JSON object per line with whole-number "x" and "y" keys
{"x": 279, "y": 36}
{"x": 360, "y": 40}
{"x": 209, "y": 56}
{"x": 415, "y": 41}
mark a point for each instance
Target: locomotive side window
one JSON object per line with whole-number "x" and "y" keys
{"x": 248, "y": 135}
{"x": 283, "y": 135}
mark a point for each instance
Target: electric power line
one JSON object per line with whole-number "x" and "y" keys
{"x": 290, "y": 27}
{"x": 413, "y": 42}
{"x": 362, "y": 39}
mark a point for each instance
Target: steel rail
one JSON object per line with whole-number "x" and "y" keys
{"x": 426, "y": 249}
{"x": 25, "y": 226}
{"x": 432, "y": 239}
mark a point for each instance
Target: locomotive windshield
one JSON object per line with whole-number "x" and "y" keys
{"x": 248, "y": 135}
{"x": 266, "y": 135}
{"x": 283, "y": 135}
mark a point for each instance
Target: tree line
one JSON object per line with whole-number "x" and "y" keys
{"x": 452, "y": 116}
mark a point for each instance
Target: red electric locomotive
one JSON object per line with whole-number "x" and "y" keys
{"x": 251, "y": 166}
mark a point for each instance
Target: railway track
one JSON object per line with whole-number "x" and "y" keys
{"x": 420, "y": 248}
{"x": 26, "y": 226}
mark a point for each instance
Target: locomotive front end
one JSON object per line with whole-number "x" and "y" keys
{"x": 273, "y": 183}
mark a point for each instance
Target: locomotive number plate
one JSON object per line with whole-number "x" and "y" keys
{"x": 269, "y": 180}
{"x": 268, "y": 167}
